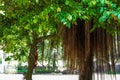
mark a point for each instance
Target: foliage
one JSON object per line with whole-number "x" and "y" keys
{"x": 23, "y": 17}
{"x": 24, "y": 21}
{"x": 44, "y": 70}
{"x": 19, "y": 22}
{"x": 22, "y": 69}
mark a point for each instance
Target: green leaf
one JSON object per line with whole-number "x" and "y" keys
{"x": 69, "y": 17}
{"x": 103, "y": 18}
{"x": 35, "y": 20}
{"x": 102, "y": 2}
{"x": 85, "y": 17}
{"x": 67, "y": 2}
{"x": 118, "y": 16}
{"x": 27, "y": 26}
{"x": 113, "y": 5}
{"x": 115, "y": 13}
{"x": 58, "y": 9}
{"x": 37, "y": 1}
{"x": 108, "y": 13}
{"x": 101, "y": 9}
{"x": 68, "y": 24}
{"x": 92, "y": 3}
{"x": 63, "y": 20}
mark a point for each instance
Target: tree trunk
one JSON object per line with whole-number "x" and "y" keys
{"x": 54, "y": 61}
{"x": 87, "y": 64}
{"x": 86, "y": 72}
{"x": 31, "y": 62}
{"x": 31, "y": 58}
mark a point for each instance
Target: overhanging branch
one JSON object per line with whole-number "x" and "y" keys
{"x": 46, "y": 37}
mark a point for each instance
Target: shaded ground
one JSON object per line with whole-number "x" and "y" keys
{"x": 53, "y": 77}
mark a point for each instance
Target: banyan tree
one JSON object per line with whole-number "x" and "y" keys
{"x": 89, "y": 31}
{"x": 81, "y": 47}
{"x": 92, "y": 43}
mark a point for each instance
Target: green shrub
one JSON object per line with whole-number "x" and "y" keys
{"x": 22, "y": 69}
{"x": 43, "y": 70}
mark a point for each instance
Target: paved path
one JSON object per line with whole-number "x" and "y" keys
{"x": 38, "y": 77}
{"x": 52, "y": 77}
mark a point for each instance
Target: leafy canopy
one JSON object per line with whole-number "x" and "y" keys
{"x": 20, "y": 18}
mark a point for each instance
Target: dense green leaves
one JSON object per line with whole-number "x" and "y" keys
{"x": 23, "y": 17}
{"x": 24, "y": 24}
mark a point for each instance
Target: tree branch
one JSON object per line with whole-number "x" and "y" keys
{"x": 46, "y": 37}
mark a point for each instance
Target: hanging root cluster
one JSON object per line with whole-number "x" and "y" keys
{"x": 89, "y": 51}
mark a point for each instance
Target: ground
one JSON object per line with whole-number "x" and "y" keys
{"x": 52, "y": 77}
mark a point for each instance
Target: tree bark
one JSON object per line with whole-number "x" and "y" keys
{"x": 87, "y": 70}
{"x": 31, "y": 58}
{"x": 54, "y": 61}
{"x": 87, "y": 64}
{"x": 31, "y": 62}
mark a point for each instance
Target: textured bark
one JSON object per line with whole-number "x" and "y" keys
{"x": 87, "y": 70}
{"x": 33, "y": 52}
{"x": 31, "y": 62}
{"x": 31, "y": 58}
{"x": 87, "y": 64}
